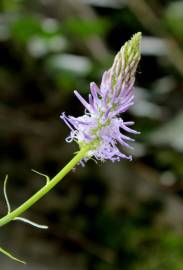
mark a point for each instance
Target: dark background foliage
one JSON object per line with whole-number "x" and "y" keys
{"x": 127, "y": 215}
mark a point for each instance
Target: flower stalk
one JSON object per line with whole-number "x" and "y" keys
{"x": 45, "y": 189}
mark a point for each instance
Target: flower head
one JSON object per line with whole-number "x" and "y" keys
{"x": 101, "y": 126}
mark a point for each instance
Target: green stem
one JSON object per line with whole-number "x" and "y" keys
{"x": 38, "y": 195}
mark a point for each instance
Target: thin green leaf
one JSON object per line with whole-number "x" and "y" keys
{"x": 10, "y": 255}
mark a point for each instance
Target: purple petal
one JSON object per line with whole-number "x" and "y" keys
{"x": 122, "y": 109}
{"x": 124, "y": 143}
{"x": 94, "y": 90}
{"x": 129, "y": 129}
{"x": 129, "y": 123}
{"x": 66, "y": 120}
{"x": 92, "y": 104}
{"x": 124, "y": 137}
{"x": 82, "y": 100}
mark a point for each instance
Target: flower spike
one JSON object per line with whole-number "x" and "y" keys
{"x": 100, "y": 127}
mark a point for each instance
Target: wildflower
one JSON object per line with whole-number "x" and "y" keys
{"x": 101, "y": 125}
{"x": 99, "y": 131}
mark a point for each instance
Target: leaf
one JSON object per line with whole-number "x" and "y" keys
{"x": 11, "y": 256}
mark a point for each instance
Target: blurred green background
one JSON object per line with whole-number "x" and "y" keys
{"x": 121, "y": 216}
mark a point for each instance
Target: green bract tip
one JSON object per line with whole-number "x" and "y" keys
{"x": 126, "y": 61}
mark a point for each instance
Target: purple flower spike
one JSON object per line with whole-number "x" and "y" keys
{"x": 101, "y": 126}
